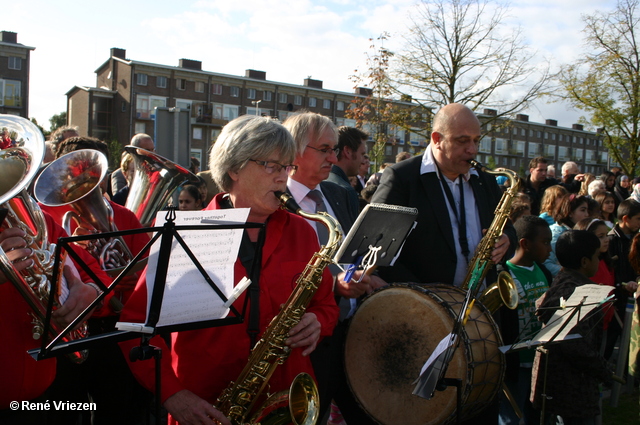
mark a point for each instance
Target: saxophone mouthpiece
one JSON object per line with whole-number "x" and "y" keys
{"x": 287, "y": 201}
{"x": 478, "y": 166}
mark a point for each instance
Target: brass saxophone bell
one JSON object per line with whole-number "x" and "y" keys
{"x": 502, "y": 292}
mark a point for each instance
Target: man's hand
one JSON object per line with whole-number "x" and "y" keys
{"x": 631, "y": 286}
{"x": 305, "y": 334}
{"x": 500, "y": 249}
{"x": 355, "y": 289}
{"x": 189, "y": 409}
{"x": 15, "y": 247}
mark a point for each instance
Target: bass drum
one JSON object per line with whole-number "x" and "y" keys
{"x": 391, "y": 336}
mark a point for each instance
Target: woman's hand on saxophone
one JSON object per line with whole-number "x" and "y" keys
{"x": 15, "y": 247}
{"x": 305, "y": 334}
{"x": 189, "y": 409}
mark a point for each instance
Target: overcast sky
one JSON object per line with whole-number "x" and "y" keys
{"x": 289, "y": 39}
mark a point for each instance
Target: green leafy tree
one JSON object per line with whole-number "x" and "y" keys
{"x": 605, "y": 80}
{"x": 374, "y": 108}
{"x": 58, "y": 120}
{"x": 42, "y": 130}
{"x": 461, "y": 51}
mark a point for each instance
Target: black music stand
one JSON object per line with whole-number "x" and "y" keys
{"x": 168, "y": 232}
{"x": 380, "y": 231}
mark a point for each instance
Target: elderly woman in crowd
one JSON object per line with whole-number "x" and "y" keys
{"x": 250, "y": 162}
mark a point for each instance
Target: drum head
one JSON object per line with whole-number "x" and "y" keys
{"x": 391, "y": 336}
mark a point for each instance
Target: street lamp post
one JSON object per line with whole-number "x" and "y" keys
{"x": 256, "y": 103}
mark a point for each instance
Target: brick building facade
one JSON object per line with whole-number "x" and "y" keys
{"x": 14, "y": 75}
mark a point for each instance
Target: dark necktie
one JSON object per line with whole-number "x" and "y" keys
{"x": 323, "y": 233}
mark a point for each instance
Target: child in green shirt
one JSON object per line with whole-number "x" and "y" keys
{"x": 534, "y": 246}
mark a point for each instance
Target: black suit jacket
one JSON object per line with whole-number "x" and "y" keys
{"x": 339, "y": 177}
{"x": 429, "y": 253}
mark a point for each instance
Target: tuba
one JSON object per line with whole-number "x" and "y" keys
{"x": 154, "y": 181}
{"x": 74, "y": 179}
{"x": 300, "y": 406}
{"x": 21, "y": 153}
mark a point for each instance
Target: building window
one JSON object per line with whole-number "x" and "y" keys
{"x": 15, "y": 63}
{"x": 485, "y": 145}
{"x": 216, "y": 89}
{"x": 533, "y": 149}
{"x": 141, "y": 127}
{"x": 141, "y": 79}
{"x": 251, "y": 93}
{"x": 234, "y": 91}
{"x": 326, "y": 104}
{"x": 282, "y": 98}
{"x": 340, "y": 106}
{"x": 530, "y": 133}
{"x": 197, "y": 133}
{"x": 181, "y": 83}
{"x": 266, "y": 96}
{"x": 560, "y": 137}
{"x": 199, "y": 87}
{"x": 161, "y": 82}
{"x": 553, "y": 136}
{"x": 230, "y": 112}
{"x": 183, "y": 104}
{"x": 312, "y": 102}
{"x": 10, "y": 93}
{"x": 523, "y": 132}
{"x": 500, "y": 145}
{"x": 388, "y": 150}
{"x": 297, "y": 100}
{"x": 538, "y": 134}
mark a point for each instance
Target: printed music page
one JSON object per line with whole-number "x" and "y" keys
{"x": 592, "y": 295}
{"x": 187, "y": 296}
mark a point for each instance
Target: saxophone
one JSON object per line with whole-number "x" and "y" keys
{"x": 238, "y": 399}
{"x": 481, "y": 261}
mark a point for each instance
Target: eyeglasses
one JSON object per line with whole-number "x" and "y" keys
{"x": 271, "y": 167}
{"x": 326, "y": 151}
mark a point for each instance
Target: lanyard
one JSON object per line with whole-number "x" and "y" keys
{"x": 460, "y": 215}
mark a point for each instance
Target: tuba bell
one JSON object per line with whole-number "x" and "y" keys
{"x": 74, "y": 179}
{"x": 21, "y": 153}
{"x": 154, "y": 181}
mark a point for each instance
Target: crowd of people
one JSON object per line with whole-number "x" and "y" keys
{"x": 562, "y": 234}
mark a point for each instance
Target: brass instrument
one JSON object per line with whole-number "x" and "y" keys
{"x": 21, "y": 154}
{"x": 481, "y": 261}
{"x": 74, "y": 179}
{"x": 154, "y": 181}
{"x": 237, "y": 400}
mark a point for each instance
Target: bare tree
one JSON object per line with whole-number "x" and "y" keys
{"x": 605, "y": 80}
{"x": 460, "y": 51}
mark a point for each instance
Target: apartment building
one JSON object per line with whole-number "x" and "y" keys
{"x": 127, "y": 92}
{"x": 513, "y": 143}
{"x": 14, "y": 75}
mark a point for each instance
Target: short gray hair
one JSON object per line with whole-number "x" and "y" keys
{"x": 307, "y": 126}
{"x": 248, "y": 137}
{"x": 137, "y": 139}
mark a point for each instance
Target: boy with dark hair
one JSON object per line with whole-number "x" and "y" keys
{"x": 625, "y": 277}
{"x": 532, "y": 281}
{"x": 574, "y": 367}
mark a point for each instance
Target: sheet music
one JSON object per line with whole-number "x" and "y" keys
{"x": 187, "y": 296}
{"x": 594, "y": 295}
